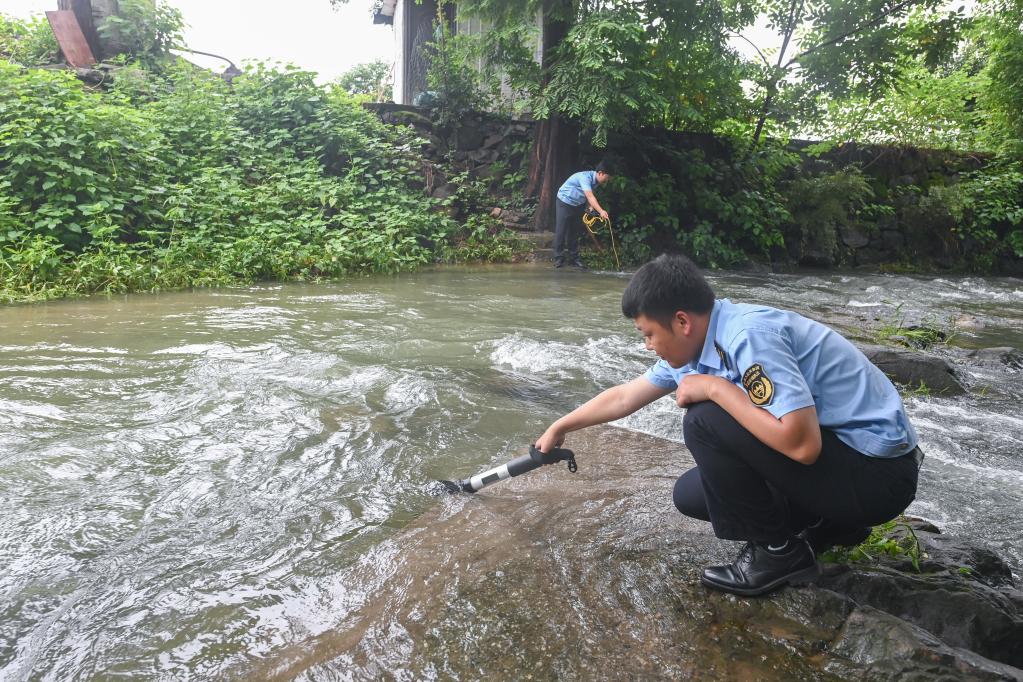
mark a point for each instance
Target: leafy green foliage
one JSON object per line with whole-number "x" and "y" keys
{"x": 621, "y": 63}
{"x": 882, "y": 542}
{"x": 372, "y": 79}
{"x": 199, "y": 183}
{"x": 484, "y": 239}
{"x": 821, "y": 205}
{"x": 144, "y": 30}
{"x": 28, "y": 42}
{"x": 846, "y": 49}
{"x": 75, "y": 161}
{"x": 454, "y": 74}
{"x": 717, "y": 209}
{"x": 989, "y": 207}
{"x": 926, "y": 110}
{"x": 1003, "y": 32}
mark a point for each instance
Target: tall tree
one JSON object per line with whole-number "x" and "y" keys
{"x": 1004, "y": 95}
{"x": 845, "y": 47}
{"x": 369, "y": 78}
{"x": 606, "y": 65}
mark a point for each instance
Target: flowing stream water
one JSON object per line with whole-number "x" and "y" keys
{"x": 188, "y": 479}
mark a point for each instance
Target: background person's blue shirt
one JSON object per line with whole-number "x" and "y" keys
{"x": 573, "y": 191}
{"x": 786, "y": 362}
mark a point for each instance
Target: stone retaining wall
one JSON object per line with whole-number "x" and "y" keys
{"x": 916, "y": 228}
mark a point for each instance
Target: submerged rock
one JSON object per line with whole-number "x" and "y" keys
{"x": 595, "y": 576}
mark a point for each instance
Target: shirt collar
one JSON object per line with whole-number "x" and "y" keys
{"x": 712, "y": 353}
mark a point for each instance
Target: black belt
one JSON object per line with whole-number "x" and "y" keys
{"x": 918, "y": 456}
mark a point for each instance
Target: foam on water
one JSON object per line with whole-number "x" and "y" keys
{"x": 194, "y": 480}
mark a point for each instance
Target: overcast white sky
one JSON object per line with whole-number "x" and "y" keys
{"x": 305, "y": 32}
{"x": 308, "y": 33}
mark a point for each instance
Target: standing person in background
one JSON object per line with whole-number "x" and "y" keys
{"x": 573, "y": 198}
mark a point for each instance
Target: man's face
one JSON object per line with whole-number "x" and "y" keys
{"x": 602, "y": 177}
{"x": 675, "y": 344}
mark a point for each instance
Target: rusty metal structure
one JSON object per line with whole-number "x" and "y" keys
{"x": 71, "y": 38}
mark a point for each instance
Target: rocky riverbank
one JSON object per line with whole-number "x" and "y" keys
{"x": 595, "y": 576}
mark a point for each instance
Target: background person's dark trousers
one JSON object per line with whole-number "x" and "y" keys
{"x": 750, "y": 492}
{"x": 567, "y": 220}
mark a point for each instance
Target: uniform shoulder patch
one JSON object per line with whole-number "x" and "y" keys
{"x": 758, "y": 385}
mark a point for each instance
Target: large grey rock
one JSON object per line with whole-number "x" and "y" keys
{"x": 1003, "y": 356}
{"x": 874, "y": 645}
{"x": 915, "y": 369}
{"x": 961, "y": 612}
{"x": 594, "y": 576}
{"x": 468, "y": 137}
{"x": 853, "y": 237}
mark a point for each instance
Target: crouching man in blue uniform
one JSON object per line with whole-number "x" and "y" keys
{"x": 800, "y": 442}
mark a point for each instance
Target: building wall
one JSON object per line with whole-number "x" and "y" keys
{"x": 413, "y": 24}
{"x": 474, "y": 26}
{"x": 400, "y": 59}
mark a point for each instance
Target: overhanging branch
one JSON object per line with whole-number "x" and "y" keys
{"x": 867, "y": 24}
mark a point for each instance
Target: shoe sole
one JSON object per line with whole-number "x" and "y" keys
{"x": 806, "y": 575}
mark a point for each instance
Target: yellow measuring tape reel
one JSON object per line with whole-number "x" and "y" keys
{"x": 594, "y": 222}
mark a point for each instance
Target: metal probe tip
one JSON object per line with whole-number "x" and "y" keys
{"x": 457, "y": 486}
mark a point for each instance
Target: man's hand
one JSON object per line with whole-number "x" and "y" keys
{"x": 797, "y": 435}
{"x": 614, "y": 403}
{"x": 695, "y": 388}
{"x": 603, "y": 214}
{"x": 551, "y": 438}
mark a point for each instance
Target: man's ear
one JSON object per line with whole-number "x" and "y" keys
{"x": 682, "y": 317}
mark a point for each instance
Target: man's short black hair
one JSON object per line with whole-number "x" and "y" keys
{"x": 604, "y": 167}
{"x": 665, "y": 285}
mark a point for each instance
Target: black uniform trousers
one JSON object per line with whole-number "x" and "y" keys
{"x": 749, "y": 491}
{"x": 567, "y": 219}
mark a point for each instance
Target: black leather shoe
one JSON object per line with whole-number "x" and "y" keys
{"x": 757, "y": 571}
{"x": 558, "y": 262}
{"x": 578, "y": 262}
{"x": 826, "y": 535}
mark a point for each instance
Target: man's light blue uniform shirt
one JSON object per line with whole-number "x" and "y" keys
{"x": 785, "y": 362}
{"x": 573, "y": 192}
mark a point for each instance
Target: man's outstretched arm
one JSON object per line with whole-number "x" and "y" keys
{"x": 591, "y": 199}
{"x": 614, "y": 403}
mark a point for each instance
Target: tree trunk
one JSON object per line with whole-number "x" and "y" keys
{"x": 764, "y": 110}
{"x": 555, "y": 148}
{"x": 554, "y": 139}
{"x": 795, "y": 16}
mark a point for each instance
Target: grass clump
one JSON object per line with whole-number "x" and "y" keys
{"x": 881, "y": 543}
{"x": 895, "y": 330}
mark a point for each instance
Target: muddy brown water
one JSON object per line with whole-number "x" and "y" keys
{"x": 237, "y": 482}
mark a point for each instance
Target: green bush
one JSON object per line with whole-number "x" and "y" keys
{"x": 453, "y": 75}
{"x": 185, "y": 181}
{"x": 718, "y": 210}
{"x": 144, "y": 30}
{"x": 28, "y": 42}
{"x": 988, "y": 207}
{"x": 74, "y": 160}
{"x": 820, "y": 205}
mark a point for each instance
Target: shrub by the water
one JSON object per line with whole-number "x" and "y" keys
{"x": 179, "y": 179}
